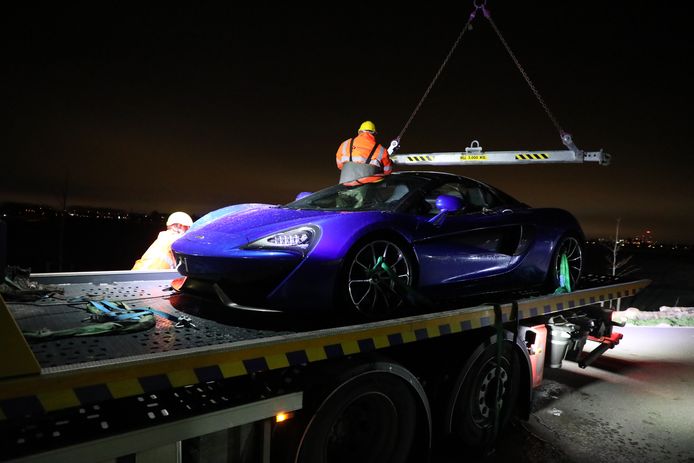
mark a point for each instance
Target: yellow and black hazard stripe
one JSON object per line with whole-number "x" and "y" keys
{"x": 420, "y": 158}
{"x": 59, "y": 390}
{"x": 532, "y": 156}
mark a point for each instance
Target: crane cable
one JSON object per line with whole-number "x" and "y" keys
{"x": 566, "y": 138}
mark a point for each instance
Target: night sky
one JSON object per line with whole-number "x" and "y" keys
{"x": 194, "y": 108}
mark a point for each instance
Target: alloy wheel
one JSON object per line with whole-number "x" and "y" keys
{"x": 571, "y": 248}
{"x": 378, "y": 275}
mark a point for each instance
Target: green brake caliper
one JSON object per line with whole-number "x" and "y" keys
{"x": 378, "y": 265}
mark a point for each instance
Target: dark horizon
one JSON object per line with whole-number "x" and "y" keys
{"x": 198, "y": 107}
{"x": 159, "y": 217}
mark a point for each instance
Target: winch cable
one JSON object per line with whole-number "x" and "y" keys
{"x": 565, "y": 137}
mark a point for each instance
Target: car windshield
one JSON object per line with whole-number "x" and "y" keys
{"x": 379, "y": 193}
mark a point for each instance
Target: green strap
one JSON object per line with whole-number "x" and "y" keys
{"x": 110, "y": 317}
{"x": 565, "y": 272}
{"x": 564, "y": 276}
{"x": 92, "y": 329}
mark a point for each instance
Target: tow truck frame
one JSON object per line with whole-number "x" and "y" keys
{"x": 143, "y": 396}
{"x": 151, "y": 396}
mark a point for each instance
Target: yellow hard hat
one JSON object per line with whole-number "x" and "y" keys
{"x": 367, "y": 126}
{"x": 180, "y": 218}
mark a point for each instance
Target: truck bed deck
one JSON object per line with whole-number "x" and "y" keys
{"x": 221, "y": 343}
{"x": 208, "y": 324}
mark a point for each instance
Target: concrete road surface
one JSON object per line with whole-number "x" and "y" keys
{"x": 634, "y": 404}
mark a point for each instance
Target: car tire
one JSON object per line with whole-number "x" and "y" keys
{"x": 570, "y": 246}
{"x": 377, "y": 278}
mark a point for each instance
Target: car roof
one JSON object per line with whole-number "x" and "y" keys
{"x": 430, "y": 175}
{"x": 436, "y": 177}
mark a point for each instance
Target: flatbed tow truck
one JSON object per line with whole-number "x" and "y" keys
{"x": 208, "y": 384}
{"x": 213, "y": 382}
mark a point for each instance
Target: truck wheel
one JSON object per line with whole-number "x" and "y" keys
{"x": 369, "y": 418}
{"x": 469, "y": 414}
{"x": 377, "y": 276}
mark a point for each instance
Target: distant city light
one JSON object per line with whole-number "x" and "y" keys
{"x": 8, "y": 211}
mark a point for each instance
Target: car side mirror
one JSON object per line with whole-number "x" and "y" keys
{"x": 446, "y": 204}
{"x": 302, "y": 195}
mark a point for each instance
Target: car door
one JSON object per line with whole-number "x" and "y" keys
{"x": 471, "y": 246}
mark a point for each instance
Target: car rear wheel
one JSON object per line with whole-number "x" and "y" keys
{"x": 570, "y": 247}
{"x": 378, "y": 277}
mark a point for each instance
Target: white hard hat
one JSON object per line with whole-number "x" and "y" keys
{"x": 180, "y": 218}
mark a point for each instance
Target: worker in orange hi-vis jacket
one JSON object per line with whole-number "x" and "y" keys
{"x": 362, "y": 156}
{"x": 159, "y": 255}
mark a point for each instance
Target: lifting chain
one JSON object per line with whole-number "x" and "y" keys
{"x": 523, "y": 73}
{"x": 395, "y": 143}
{"x": 482, "y": 5}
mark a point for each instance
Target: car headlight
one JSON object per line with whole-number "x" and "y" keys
{"x": 300, "y": 238}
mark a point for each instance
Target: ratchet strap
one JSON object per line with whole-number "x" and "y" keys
{"x": 111, "y": 318}
{"x": 500, "y": 338}
{"x": 408, "y": 293}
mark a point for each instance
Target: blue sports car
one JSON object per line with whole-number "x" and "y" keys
{"x": 380, "y": 243}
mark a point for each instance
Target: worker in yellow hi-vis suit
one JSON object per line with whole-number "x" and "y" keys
{"x": 159, "y": 256}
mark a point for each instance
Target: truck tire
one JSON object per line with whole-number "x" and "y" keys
{"x": 468, "y": 414}
{"x": 371, "y": 417}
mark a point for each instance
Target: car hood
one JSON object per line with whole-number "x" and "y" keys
{"x": 241, "y": 227}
